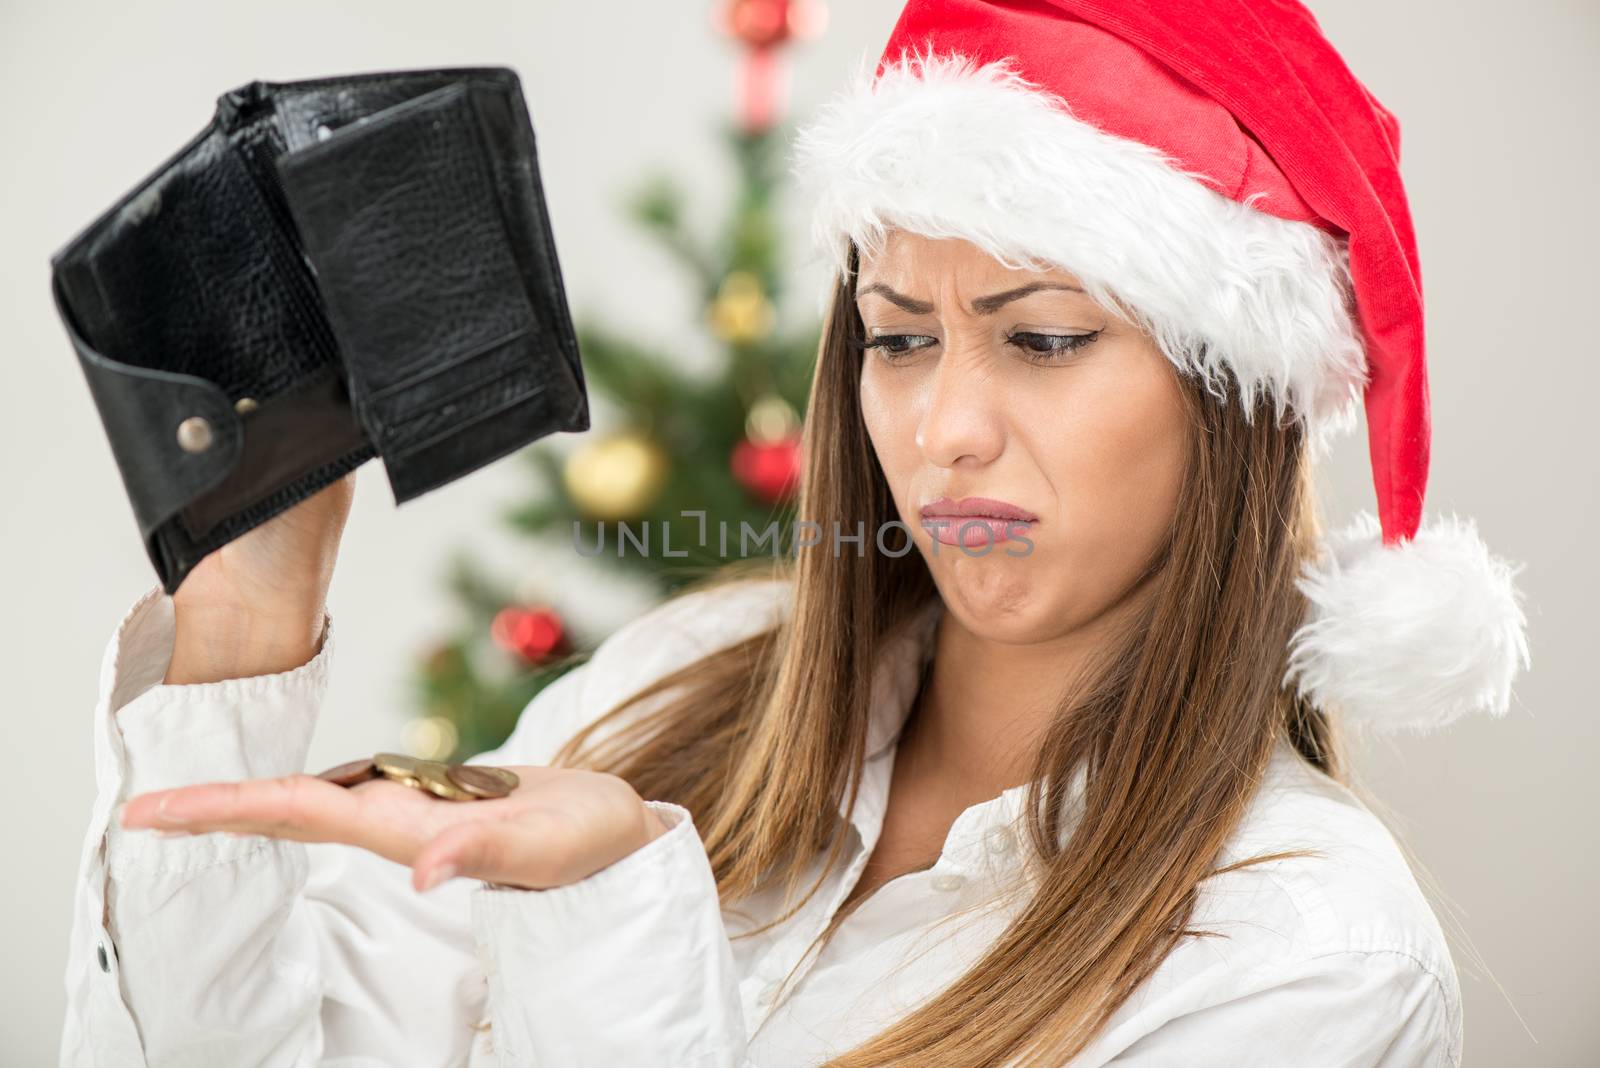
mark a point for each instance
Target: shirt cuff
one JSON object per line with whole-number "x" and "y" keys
{"x": 630, "y": 965}
{"x": 162, "y": 736}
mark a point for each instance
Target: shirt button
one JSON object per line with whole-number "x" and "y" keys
{"x": 947, "y": 883}
{"x": 100, "y": 952}
{"x": 1000, "y": 840}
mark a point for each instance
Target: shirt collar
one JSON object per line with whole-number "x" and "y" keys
{"x": 897, "y": 675}
{"x": 981, "y": 828}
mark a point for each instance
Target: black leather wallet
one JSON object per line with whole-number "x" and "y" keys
{"x": 331, "y": 270}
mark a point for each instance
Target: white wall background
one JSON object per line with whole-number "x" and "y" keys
{"x": 1500, "y": 157}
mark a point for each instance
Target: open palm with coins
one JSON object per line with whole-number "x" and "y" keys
{"x": 256, "y": 606}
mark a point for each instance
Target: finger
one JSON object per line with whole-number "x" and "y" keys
{"x": 299, "y": 807}
{"x": 506, "y": 851}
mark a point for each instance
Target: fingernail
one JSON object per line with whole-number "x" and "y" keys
{"x": 440, "y": 874}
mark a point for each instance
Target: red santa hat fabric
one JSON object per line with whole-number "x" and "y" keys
{"x": 1213, "y": 170}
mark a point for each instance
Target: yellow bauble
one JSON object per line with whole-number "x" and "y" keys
{"x": 429, "y": 737}
{"x": 741, "y": 312}
{"x": 771, "y": 418}
{"x": 617, "y": 477}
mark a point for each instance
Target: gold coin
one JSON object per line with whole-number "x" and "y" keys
{"x": 436, "y": 780}
{"x": 396, "y": 765}
{"x": 483, "y": 781}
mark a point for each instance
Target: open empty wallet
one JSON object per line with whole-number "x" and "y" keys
{"x": 331, "y": 270}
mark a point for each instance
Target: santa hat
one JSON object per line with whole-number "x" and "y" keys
{"x": 1212, "y": 169}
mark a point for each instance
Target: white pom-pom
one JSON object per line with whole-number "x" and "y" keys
{"x": 1410, "y": 637}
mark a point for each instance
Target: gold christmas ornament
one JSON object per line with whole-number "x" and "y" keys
{"x": 771, "y": 418}
{"x": 617, "y": 477}
{"x": 429, "y": 737}
{"x": 741, "y": 312}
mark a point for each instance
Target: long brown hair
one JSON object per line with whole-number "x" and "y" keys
{"x": 1172, "y": 733}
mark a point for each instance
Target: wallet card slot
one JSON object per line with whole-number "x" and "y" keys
{"x": 454, "y": 394}
{"x": 525, "y": 411}
{"x": 400, "y": 220}
{"x": 453, "y": 365}
{"x": 511, "y": 400}
{"x": 403, "y": 218}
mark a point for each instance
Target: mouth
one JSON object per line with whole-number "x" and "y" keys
{"x": 973, "y": 522}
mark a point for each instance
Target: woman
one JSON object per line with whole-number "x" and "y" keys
{"x": 1062, "y": 786}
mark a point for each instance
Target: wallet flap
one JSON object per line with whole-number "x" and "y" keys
{"x": 143, "y": 409}
{"x": 457, "y": 344}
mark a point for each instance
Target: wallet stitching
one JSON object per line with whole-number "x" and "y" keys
{"x": 477, "y": 385}
{"x": 456, "y": 428}
{"x": 395, "y": 439}
{"x": 433, "y": 372}
{"x": 392, "y": 427}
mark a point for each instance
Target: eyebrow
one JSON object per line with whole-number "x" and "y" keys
{"x": 980, "y": 306}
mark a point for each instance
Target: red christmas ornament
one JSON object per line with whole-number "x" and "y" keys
{"x": 759, "y": 23}
{"x": 532, "y": 634}
{"x": 770, "y": 470}
{"x": 764, "y": 26}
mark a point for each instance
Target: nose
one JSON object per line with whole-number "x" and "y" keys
{"x": 962, "y": 420}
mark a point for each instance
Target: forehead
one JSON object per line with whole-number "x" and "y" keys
{"x": 909, "y": 259}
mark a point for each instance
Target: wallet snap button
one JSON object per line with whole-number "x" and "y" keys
{"x": 245, "y": 404}
{"x": 194, "y": 434}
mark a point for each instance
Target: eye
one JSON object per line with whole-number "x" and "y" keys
{"x": 1048, "y": 348}
{"x": 1038, "y": 348}
{"x": 892, "y": 345}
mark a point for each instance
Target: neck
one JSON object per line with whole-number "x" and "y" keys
{"x": 982, "y": 714}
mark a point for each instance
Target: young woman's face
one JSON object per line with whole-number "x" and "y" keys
{"x": 1015, "y": 386}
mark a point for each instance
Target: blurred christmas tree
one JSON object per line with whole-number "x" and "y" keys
{"x": 726, "y": 445}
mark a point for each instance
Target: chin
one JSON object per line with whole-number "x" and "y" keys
{"x": 1002, "y": 602}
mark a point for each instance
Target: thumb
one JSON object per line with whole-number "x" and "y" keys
{"x": 491, "y": 850}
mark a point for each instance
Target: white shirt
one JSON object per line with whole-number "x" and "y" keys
{"x": 217, "y": 950}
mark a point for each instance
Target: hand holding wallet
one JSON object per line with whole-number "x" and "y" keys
{"x": 331, "y": 270}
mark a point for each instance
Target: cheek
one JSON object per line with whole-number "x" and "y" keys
{"x": 1111, "y": 437}
{"x": 890, "y": 420}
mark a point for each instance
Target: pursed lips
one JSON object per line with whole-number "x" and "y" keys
{"x": 974, "y": 522}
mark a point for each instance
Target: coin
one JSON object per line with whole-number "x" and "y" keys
{"x": 437, "y": 780}
{"x": 483, "y": 781}
{"x": 396, "y": 765}
{"x": 452, "y": 782}
{"x": 356, "y": 771}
